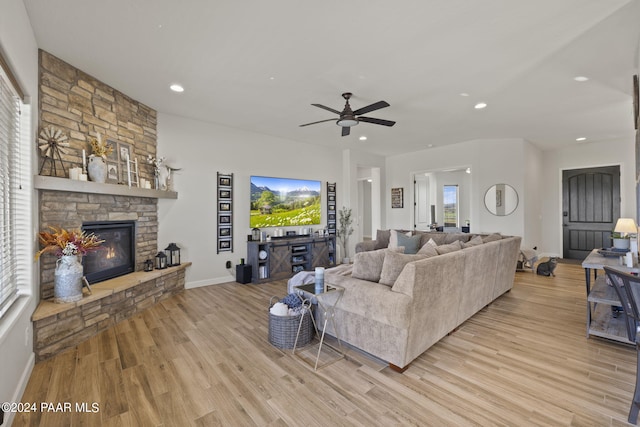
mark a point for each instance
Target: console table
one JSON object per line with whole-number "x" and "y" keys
{"x": 281, "y": 258}
{"x": 601, "y": 297}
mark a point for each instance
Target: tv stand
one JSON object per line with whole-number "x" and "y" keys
{"x": 283, "y": 257}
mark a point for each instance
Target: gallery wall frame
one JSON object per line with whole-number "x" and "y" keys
{"x": 397, "y": 198}
{"x": 225, "y": 212}
{"x": 331, "y": 208}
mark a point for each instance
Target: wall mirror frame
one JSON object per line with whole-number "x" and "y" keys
{"x": 501, "y": 199}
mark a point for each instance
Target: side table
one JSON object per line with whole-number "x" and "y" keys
{"x": 327, "y": 301}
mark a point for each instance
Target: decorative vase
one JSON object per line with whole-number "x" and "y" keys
{"x": 97, "y": 169}
{"x": 621, "y": 243}
{"x": 67, "y": 285}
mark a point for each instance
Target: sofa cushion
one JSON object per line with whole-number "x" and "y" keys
{"x": 382, "y": 238}
{"x": 393, "y": 264}
{"x": 492, "y": 238}
{"x": 411, "y": 244}
{"x": 452, "y": 237}
{"x": 437, "y": 237}
{"x": 368, "y": 265}
{"x": 475, "y": 241}
{"x": 456, "y": 245}
{"x": 429, "y": 250}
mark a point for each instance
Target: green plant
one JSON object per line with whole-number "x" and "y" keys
{"x": 344, "y": 228}
{"x": 619, "y": 235}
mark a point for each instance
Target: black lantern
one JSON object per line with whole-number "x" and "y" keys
{"x": 161, "y": 261}
{"x": 148, "y": 265}
{"x": 173, "y": 255}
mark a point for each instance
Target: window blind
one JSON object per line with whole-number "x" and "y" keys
{"x": 15, "y": 200}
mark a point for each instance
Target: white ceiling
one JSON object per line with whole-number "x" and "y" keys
{"x": 258, "y": 65}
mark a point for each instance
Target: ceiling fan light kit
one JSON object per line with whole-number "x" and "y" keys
{"x": 349, "y": 118}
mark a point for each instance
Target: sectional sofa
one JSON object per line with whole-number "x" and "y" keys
{"x": 419, "y": 298}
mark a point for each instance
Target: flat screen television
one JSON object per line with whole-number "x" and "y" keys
{"x": 282, "y": 202}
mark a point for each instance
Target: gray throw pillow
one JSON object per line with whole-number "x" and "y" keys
{"x": 475, "y": 241}
{"x": 411, "y": 243}
{"x": 393, "y": 265}
{"x": 368, "y": 265}
{"x": 451, "y": 247}
{"x": 382, "y": 238}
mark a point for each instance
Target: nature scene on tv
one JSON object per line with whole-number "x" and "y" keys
{"x": 282, "y": 202}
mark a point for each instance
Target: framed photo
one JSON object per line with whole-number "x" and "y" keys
{"x": 224, "y": 231}
{"x": 124, "y": 150}
{"x": 331, "y": 187}
{"x": 397, "y": 198}
{"x": 225, "y": 207}
{"x": 224, "y": 245}
{"x": 224, "y": 181}
{"x": 332, "y": 217}
{"x": 224, "y": 219}
{"x": 224, "y": 194}
{"x": 113, "y": 172}
{"x": 332, "y": 198}
{"x": 113, "y": 156}
{"x": 331, "y": 207}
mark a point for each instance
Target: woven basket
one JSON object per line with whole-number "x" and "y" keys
{"x": 283, "y": 330}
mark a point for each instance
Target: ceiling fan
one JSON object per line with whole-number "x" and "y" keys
{"x": 349, "y": 118}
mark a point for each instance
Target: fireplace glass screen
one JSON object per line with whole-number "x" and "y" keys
{"x": 116, "y": 256}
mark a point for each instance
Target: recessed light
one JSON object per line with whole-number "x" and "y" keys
{"x": 464, "y": 94}
{"x": 430, "y": 145}
{"x": 176, "y": 88}
{"x": 480, "y": 105}
{"x": 581, "y": 78}
{"x": 582, "y": 138}
{"x": 363, "y": 138}
{"x": 468, "y": 170}
{"x": 369, "y": 180}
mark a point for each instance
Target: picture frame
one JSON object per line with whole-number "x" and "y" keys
{"x": 113, "y": 172}
{"x": 224, "y": 231}
{"x": 224, "y": 181}
{"x": 331, "y": 187}
{"x": 123, "y": 149}
{"x": 224, "y": 219}
{"x": 224, "y": 194}
{"x": 332, "y": 198}
{"x": 397, "y": 198}
{"x": 224, "y": 245}
{"x": 224, "y": 207}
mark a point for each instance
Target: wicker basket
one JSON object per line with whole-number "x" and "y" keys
{"x": 283, "y": 330}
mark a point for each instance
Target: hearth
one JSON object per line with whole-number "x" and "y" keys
{"x": 116, "y": 256}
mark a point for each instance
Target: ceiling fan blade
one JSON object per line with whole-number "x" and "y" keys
{"x": 346, "y": 131}
{"x": 376, "y": 121}
{"x": 321, "y": 121}
{"x": 327, "y": 108}
{"x": 375, "y": 106}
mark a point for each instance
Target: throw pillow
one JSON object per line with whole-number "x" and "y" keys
{"x": 475, "y": 241}
{"x": 451, "y": 247}
{"x": 492, "y": 238}
{"x": 368, "y": 265}
{"x": 382, "y": 238}
{"x": 393, "y": 264}
{"x": 393, "y": 239}
{"x": 428, "y": 250}
{"x": 452, "y": 237}
{"x": 432, "y": 242}
{"x": 411, "y": 243}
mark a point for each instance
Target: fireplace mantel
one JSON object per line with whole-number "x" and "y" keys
{"x": 63, "y": 184}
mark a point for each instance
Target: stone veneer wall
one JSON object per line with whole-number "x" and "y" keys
{"x": 81, "y": 107}
{"x": 70, "y": 210}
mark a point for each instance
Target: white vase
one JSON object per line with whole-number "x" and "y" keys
{"x": 67, "y": 284}
{"x": 97, "y": 169}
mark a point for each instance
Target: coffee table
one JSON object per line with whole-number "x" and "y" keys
{"x": 326, "y": 301}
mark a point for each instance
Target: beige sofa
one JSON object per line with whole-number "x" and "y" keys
{"x": 429, "y": 299}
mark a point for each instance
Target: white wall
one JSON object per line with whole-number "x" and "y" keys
{"x": 491, "y": 162}
{"x": 202, "y": 149}
{"x": 621, "y": 152}
{"x": 18, "y": 46}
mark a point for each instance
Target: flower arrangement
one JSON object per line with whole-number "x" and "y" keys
{"x": 99, "y": 148}
{"x": 67, "y": 242}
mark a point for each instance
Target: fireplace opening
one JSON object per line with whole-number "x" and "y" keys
{"x": 116, "y": 256}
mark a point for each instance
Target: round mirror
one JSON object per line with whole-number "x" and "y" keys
{"x": 501, "y": 199}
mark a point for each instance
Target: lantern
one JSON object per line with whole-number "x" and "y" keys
{"x": 173, "y": 255}
{"x": 255, "y": 234}
{"x": 148, "y": 265}
{"x": 161, "y": 261}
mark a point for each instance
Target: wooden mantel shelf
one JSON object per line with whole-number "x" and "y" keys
{"x": 63, "y": 184}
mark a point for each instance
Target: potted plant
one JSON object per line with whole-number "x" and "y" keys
{"x": 620, "y": 240}
{"x": 67, "y": 245}
{"x": 344, "y": 231}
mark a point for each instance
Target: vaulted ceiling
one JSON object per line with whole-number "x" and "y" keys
{"x": 258, "y": 65}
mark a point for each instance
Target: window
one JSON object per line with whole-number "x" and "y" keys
{"x": 16, "y": 253}
{"x": 450, "y": 202}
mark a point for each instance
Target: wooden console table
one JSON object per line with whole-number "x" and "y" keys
{"x": 601, "y": 297}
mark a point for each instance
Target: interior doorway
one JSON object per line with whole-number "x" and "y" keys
{"x": 590, "y": 208}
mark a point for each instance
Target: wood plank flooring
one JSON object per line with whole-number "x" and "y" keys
{"x": 202, "y": 358}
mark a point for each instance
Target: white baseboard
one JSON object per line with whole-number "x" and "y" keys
{"x": 208, "y": 282}
{"x": 22, "y": 385}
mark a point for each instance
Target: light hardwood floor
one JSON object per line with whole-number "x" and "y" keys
{"x": 202, "y": 358}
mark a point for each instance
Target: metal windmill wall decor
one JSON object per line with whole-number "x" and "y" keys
{"x": 51, "y": 143}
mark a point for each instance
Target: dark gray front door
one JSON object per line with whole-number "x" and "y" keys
{"x": 590, "y": 208}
